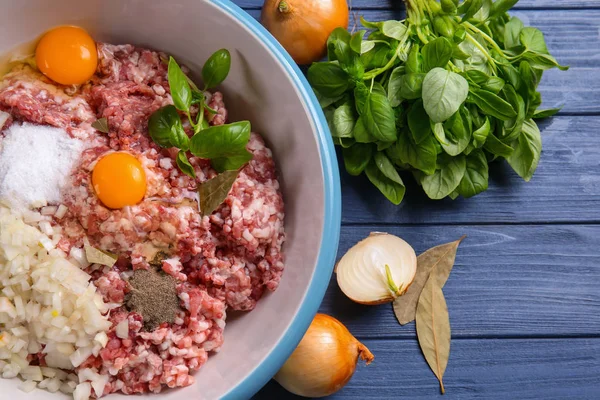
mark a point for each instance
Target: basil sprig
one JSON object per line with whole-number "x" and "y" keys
{"x": 224, "y": 145}
{"x": 440, "y": 94}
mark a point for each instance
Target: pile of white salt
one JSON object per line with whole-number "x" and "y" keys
{"x": 35, "y": 162}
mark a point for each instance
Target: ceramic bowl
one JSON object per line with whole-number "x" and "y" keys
{"x": 267, "y": 88}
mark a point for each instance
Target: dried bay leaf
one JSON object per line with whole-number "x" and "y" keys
{"x": 101, "y": 125}
{"x": 433, "y": 327}
{"x": 214, "y": 191}
{"x": 97, "y": 256}
{"x": 442, "y": 259}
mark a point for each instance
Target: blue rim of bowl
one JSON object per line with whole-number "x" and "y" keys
{"x": 332, "y": 216}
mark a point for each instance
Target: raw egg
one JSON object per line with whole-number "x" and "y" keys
{"x": 119, "y": 180}
{"x": 67, "y": 55}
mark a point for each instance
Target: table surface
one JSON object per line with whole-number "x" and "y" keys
{"x": 524, "y": 296}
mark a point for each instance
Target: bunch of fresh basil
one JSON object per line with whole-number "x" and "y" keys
{"x": 224, "y": 145}
{"x": 440, "y": 94}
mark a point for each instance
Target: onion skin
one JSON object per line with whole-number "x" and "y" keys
{"x": 324, "y": 361}
{"x": 303, "y": 26}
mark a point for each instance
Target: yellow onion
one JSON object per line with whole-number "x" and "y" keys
{"x": 324, "y": 361}
{"x": 377, "y": 269}
{"x": 303, "y": 26}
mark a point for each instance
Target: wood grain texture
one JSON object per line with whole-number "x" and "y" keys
{"x": 397, "y": 4}
{"x": 478, "y": 369}
{"x": 523, "y": 296}
{"x": 507, "y": 281}
{"x": 565, "y": 188}
{"x": 572, "y": 38}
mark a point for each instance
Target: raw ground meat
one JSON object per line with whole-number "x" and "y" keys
{"x": 221, "y": 262}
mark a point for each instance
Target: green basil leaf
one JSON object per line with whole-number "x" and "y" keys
{"x": 533, "y": 39}
{"x": 231, "y": 162}
{"x": 216, "y": 68}
{"x": 421, "y": 156}
{"x": 457, "y": 134}
{"x": 534, "y": 102}
{"x": 492, "y": 104}
{"x": 343, "y": 121}
{"x": 511, "y": 75}
{"x": 543, "y": 61}
{"x": 439, "y": 133}
{"x": 356, "y": 41}
{"x": 476, "y": 175}
{"x": 181, "y": 92}
{"x": 484, "y": 13}
{"x": 357, "y": 157}
{"x": 418, "y": 122}
{"x": 469, "y": 8}
{"x": 444, "y": 26}
{"x": 494, "y": 84}
{"x": 512, "y": 127}
{"x": 459, "y": 54}
{"x": 377, "y": 57}
{"x": 529, "y": 79}
{"x": 480, "y": 135}
{"x": 386, "y": 167}
{"x": 382, "y": 146}
{"x": 512, "y": 33}
{"x": 414, "y": 64}
{"x": 501, "y": 6}
{"x": 366, "y": 46}
{"x": 344, "y": 142}
{"x": 477, "y": 77}
{"x": 446, "y": 179}
{"x": 437, "y": 53}
{"x": 527, "y": 151}
{"x": 227, "y": 140}
{"x": 184, "y": 164}
{"x": 394, "y": 29}
{"x": 328, "y": 78}
{"x": 411, "y": 86}
{"x": 460, "y": 34}
{"x": 497, "y": 147}
{"x": 166, "y": 130}
{"x": 214, "y": 191}
{"x": 337, "y": 35}
{"x": 370, "y": 25}
{"x": 540, "y": 114}
{"x": 361, "y": 95}
{"x": 443, "y": 93}
{"x": 324, "y": 101}
{"x": 394, "y": 86}
{"x": 379, "y": 118}
{"x": 448, "y": 6}
{"x": 361, "y": 134}
{"x": 392, "y": 190}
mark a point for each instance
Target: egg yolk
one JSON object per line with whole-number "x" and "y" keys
{"x": 67, "y": 55}
{"x": 119, "y": 180}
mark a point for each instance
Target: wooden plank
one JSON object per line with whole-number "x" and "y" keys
{"x": 508, "y": 281}
{"x": 572, "y": 38}
{"x": 478, "y": 369}
{"x": 397, "y": 4}
{"x": 566, "y": 187}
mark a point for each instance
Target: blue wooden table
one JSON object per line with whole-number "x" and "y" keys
{"x": 524, "y": 296}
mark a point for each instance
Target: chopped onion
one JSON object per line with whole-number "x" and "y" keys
{"x": 377, "y": 269}
{"x": 122, "y": 329}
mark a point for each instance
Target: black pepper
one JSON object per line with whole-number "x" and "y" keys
{"x": 153, "y": 295}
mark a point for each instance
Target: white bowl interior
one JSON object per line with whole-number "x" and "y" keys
{"x": 259, "y": 89}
